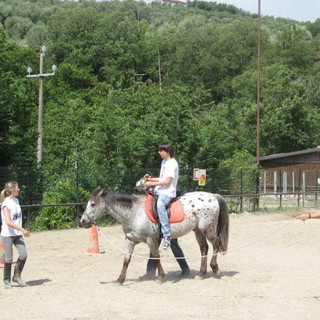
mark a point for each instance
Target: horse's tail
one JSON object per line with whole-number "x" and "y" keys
{"x": 223, "y": 224}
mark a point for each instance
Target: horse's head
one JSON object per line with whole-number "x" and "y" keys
{"x": 95, "y": 208}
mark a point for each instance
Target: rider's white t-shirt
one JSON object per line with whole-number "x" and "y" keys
{"x": 15, "y": 216}
{"x": 169, "y": 169}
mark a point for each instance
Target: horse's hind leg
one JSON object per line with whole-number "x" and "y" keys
{"x": 204, "y": 252}
{"x": 213, "y": 263}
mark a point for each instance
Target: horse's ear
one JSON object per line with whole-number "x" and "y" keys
{"x": 102, "y": 192}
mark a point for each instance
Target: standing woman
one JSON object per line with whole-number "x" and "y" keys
{"x": 12, "y": 232}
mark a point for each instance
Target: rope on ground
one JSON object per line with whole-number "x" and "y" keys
{"x": 190, "y": 258}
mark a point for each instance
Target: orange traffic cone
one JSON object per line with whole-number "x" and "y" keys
{"x": 1, "y": 255}
{"x": 94, "y": 242}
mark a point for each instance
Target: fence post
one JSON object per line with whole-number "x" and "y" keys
{"x": 28, "y": 220}
{"x": 77, "y": 194}
{"x": 241, "y": 190}
{"x": 299, "y": 187}
{"x": 257, "y": 191}
{"x": 316, "y": 195}
{"x": 303, "y": 188}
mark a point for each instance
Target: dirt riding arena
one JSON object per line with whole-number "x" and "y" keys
{"x": 271, "y": 272}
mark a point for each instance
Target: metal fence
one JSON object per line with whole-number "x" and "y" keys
{"x": 243, "y": 189}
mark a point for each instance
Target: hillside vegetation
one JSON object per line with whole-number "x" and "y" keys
{"x": 131, "y": 74}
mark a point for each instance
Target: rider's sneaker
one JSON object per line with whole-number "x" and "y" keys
{"x": 166, "y": 243}
{"x": 184, "y": 273}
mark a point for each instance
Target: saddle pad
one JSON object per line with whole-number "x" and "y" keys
{"x": 176, "y": 213}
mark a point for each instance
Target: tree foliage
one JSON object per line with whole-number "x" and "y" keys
{"x": 131, "y": 74}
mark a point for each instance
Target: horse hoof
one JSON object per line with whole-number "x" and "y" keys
{"x": 217, "y": 273}
{"x": 118, "y": 282}
{"x": 197, "y": 277}
{"x": 159, "y": 280}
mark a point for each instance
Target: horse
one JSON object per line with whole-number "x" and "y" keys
{"x": 204, "y": 213}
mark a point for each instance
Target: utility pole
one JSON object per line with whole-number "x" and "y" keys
{"x": 41, "y": 76}
{"x": 258, "y": 83}
{"x": 256, "y": 203}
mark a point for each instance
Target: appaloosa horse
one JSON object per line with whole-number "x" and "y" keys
{"x": 204, "y": 213}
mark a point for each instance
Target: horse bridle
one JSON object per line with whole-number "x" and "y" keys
{"x": 92, "y": 221}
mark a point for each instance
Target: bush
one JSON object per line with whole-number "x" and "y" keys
{"x": 62, "y": 217}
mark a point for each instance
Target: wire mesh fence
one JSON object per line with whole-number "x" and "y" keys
{"x": 43, "y": 195}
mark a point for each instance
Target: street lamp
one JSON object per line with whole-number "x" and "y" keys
{"x": 41, "y": 76}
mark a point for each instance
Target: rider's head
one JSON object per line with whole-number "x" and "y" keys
{"x": 167, "y": 147}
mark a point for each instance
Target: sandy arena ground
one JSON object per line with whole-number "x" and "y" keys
{"x": 271, "y": 272}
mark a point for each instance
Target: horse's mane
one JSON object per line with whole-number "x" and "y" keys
{"x": 124, "y": 200}
{"x": 114, "y": 198}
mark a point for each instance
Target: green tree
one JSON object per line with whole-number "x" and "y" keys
{"x": 17, "y": 27}
{"x": 37, "y": 35}
{"x": 293, "y": 47}
{"x": 17, "y": 105}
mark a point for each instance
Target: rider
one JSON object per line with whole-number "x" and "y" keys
{"x": 165, "y": 187}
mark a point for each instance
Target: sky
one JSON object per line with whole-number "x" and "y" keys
{"x": 301, "y": 10}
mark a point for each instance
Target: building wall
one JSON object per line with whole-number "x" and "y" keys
{"x": 298, "y": 176}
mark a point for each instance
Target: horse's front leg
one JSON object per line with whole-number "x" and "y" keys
{"x": 160, "y": 276}
{"x": 127, "y": 258}
{"x": 154, "y": 253}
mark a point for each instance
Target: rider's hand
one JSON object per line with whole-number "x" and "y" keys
{"x": 147, "y": 184}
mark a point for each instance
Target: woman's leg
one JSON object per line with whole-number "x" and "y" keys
{"x": 7, "y": 245}
{"x": 21, "y": 247}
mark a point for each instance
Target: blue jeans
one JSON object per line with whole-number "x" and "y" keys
{"x": 162, "y": 203}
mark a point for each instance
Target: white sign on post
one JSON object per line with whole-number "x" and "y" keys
{"x": 196, "y": 174}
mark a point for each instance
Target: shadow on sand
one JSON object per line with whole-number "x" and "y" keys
{"x": 174, "y": 277}
{"x": 39, "y": 282}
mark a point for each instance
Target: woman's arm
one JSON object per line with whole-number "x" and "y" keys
{"x": 12, "y": 225}
{"x": 306, "y": 216}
